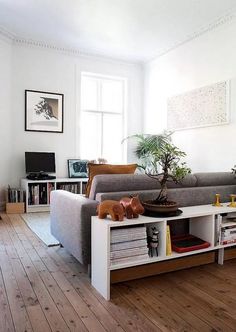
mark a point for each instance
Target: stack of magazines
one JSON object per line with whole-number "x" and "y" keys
{"x": 128, "y": 244}
{"x": 228, "y": 229}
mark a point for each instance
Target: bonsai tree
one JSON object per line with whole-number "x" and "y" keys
{"x": 161, "y": 160}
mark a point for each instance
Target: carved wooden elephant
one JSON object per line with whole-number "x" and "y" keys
{"x": 112, "y": 208}
{"x": 132, "y": 206}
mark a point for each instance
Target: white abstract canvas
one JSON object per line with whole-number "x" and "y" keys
{"x": 206, "y": 106}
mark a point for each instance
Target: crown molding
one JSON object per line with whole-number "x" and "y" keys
{"x": 220, "y": 21}
{"x": 74, "y": 52}
{"x": 6, "y": 35}
{"x": 92, "y": 54}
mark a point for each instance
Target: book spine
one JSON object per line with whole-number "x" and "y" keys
{"x": 131, "y": 230}
{"x": 228, "y": 241}
{"x": 128, "y": 244}
{"x": 218, "y": 222}
{"x": 168, "y": 241}
{"x": 129, "y": 259}
{"x": 128, "y": 252}
{"x": 128, "y": 237}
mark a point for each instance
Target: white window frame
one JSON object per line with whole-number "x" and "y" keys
{"x": 100, "y": 78}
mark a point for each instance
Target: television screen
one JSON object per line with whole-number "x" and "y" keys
{"x": 36, "y": 162}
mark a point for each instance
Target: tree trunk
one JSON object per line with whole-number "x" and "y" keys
{"x": 162, "y": 197}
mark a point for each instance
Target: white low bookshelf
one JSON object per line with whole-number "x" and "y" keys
{"x": 37, "y": 192}
{"x": 203, "y": 221}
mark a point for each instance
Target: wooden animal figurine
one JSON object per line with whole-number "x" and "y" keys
{"x": 113, "y": 208}
{"x": 132, "y": 206}
{"x": 153, "y": 242}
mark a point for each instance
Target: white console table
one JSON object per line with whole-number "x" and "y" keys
{"x": 203, "y": 223}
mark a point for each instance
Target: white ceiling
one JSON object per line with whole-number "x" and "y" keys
{"x": 134, "y": 30}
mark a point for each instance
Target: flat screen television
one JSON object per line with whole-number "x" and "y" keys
{"x": 40, "y": 162}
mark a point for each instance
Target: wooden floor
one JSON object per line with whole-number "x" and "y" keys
{"x": 46, "y": 289}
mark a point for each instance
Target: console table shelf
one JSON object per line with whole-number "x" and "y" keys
{"x": 37, "y": 192}
{"x": 203, "y": 223}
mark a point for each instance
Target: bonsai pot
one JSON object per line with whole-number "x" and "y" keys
{"x": 165, "y": 207}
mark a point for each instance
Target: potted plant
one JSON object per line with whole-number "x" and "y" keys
{"x": 161, "y": 160}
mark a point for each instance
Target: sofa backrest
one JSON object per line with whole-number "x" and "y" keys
{"x": 215, "y": 179}
{"x": 108, "y": 183}
{"x": 183, "y": 196}
{"x": 133, "y": 182}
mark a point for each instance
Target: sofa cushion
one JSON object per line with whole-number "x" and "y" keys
{"x": 132, "y": 182}
{"x": 96, "y": 169}
{"x": 215, "y": 179}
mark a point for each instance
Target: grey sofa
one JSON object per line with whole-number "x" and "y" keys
{"x": 71, "y": 213}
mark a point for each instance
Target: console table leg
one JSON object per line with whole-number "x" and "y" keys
{"x": 100, "y": 266}
{"x": 221, "y": 256}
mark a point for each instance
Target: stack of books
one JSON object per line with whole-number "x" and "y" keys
{"x": 15, "y": 195}
{"x": 128, "y": 244}
{"x": 228, "y": 229}
{"x": 37, "y": 194}
{"x": 228, "y": 233}
{"x": 72, "y": 187}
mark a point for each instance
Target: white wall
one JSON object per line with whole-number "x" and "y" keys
{"x": 205, "y": 60}
{"x": 49, "y": 70}
{"x": 5, "y": 115}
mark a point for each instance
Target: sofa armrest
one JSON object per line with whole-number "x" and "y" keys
{"x": 71, "y": 222}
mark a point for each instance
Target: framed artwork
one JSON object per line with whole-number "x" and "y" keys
{"x": 202, "y": 107}
{"x": 77, "y": 168}
{"x": 44, "y": 111}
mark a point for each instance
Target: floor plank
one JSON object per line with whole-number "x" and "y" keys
{"x": 6, "y": 323}
{"x": 46, "y": 289}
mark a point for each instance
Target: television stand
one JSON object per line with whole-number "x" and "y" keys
{"x": 40, "y": 176}
{"x": 37, "y": 191}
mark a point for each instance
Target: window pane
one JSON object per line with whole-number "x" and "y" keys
{"x": 89, "y": 94}
{"x": 112, "y": 96}
{"x": 112, "y": 137}
{"x": 90, "y": 135}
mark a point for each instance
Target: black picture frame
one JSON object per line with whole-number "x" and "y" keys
{"x": 77, "y": 168}
{"x": 44, "y": 111}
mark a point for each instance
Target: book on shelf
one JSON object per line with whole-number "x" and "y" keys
{"x": 228, "y": 227}
{"x": 129, "y": 259}
{"x": 51, "y": 187}
{"x": 218, "y": 222}
{"x": 132, "y": 233}
{"x": 37, "y": 194}
{"x": 228, "y": 235}
{"x": 43, "y": 193}
{"x": 230, "y": 216}
{"x": 128, "y": 252}
{"x": 71, "y": 187}
{"x": 128, "y": 244}
{"x": 131, "y": 229}
{"x": 229, "y": 241}
{"x": 168, "y": 241}
{"x": 15, "y": 195}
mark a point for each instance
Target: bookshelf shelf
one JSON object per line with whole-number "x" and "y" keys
{"x": 204, "y": 221}
{"x": 37, "y": 193}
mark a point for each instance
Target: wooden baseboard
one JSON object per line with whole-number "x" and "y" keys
{"x": 229, "y": 253}
{"x": 148, "y": 270}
